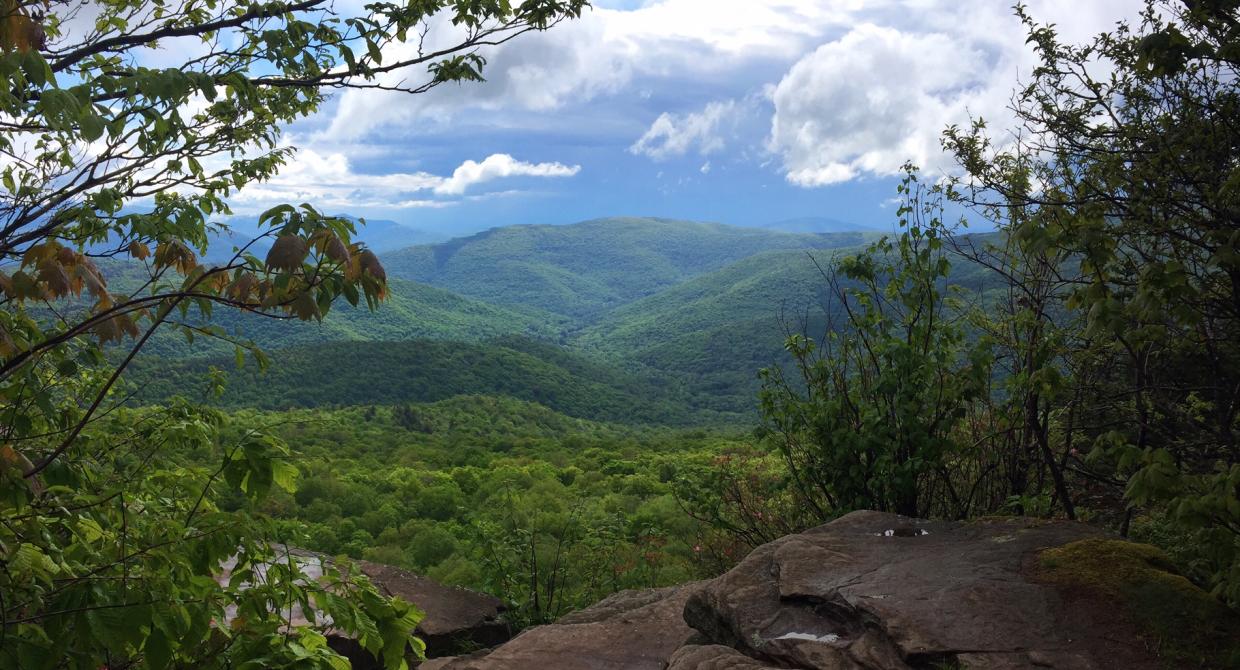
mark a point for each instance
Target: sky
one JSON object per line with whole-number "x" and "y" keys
{"x": 738, "y": 111}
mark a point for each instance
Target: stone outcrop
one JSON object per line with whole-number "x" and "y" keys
{"x": 874, "y": 591}
{"x": 634, "y": 630}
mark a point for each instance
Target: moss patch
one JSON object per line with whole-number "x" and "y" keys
{"x": 1186, "y": 626}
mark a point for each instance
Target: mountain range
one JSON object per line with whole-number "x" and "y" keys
{"x": 642, "y": 313}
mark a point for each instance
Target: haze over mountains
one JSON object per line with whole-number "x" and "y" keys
{"x": 587, "y": 318}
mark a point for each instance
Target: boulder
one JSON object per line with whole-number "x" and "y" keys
{"x": 633, "y": 630}
{"x": 874, "y": 591}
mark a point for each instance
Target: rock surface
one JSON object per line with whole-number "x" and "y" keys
{"x": 869, "y": 591}
{"x": 634, "y": 630}
{"x": 877, "y": 591}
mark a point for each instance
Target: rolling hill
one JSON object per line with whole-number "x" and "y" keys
{"x": 635, "y": 320}
{"x": 412, "y": 311}
{"x": 720, "y": 328}
{"x": 585, "y": 269}
{"x": 415, "y": 371}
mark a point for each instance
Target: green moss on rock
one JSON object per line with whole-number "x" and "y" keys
{"x": 1186, "y": 626}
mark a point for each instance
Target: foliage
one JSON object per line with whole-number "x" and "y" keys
{"x": 108, "y": 547}
{"x": 352, "y": 373}
{"x": 1132, "y": 176}
{"x": 549, "y": 512}
{"x": 117, "y": 548}
{"x": 744, "y": 497}
{"x": 873, "y": 422}
{"x": 1097, "y": 379}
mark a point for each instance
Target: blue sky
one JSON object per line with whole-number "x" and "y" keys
{"x": 738, "y": 111}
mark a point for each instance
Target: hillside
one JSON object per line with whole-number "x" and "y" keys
{"x": 710, "y": 332}
{"x": 718, "y": 329}
{"x": 412, "y": 311}
{"x": 584, "y": 269}
{"x": 384, "y": 373}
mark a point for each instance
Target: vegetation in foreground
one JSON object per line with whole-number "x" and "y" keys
{"x": 109, "y": 547}
{"x": 1103, "y": 386}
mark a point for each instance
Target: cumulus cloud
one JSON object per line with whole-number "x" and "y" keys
{"x": 856, "y": 86}
{"x": 868, "y": 101}
{"x": 497, "y": 166}
{"x": 677, "y": 134}
{"x": 328, "y": 180}
{"x": 605, "y": 52}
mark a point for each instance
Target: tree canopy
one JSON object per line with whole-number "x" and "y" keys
{"x": 125, "y": 127}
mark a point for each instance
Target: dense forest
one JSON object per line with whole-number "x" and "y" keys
{"x": 551, "y": 414}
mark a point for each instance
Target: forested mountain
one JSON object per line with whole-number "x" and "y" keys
{"x": 706, "y": 323}
{"x": 584, "y": 269}
{"x": 415, "y": 371}
{"x": 697, "y": 306}
{"x": 816, "y": 224}
{"x": 412, "y": 311}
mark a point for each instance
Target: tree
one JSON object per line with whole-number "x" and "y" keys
{"x": 871, "y": 421}
{"x": 107, "y": 541}
{"x": 1128, "y": 145}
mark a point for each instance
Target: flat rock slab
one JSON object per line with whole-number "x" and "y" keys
{"x": 874, "y": 591}
{"x": 630, "y": 630}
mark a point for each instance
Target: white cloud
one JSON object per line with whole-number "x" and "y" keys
{"x": 873, "y": 99}
{"x": 705, "y": 169}
{"x": 604, "y": 52}
{"x": 328, "y": 180}
{"x": 857, "y": 86}
{"x": 497, "y": 166}
{"x": 677, "y": 134}
{"x": 864, "y": 103}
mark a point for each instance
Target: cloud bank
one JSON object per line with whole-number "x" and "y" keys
{"x": 329, "y": 180}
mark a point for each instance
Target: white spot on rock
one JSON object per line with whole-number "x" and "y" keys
{"x": 829, "y": 638}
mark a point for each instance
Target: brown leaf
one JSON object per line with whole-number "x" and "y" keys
{"x": 7, "y": 346}
{"x": 139, "y": 250}
{"x": 175, "y": 254}
{"x": 287, "y": 253}
{"x": 336, "y": 250}
{"x": 107, "y": 330}
{"x": 371, "y": 265}
{"x": 305, "y": 307}
{"x": 53, "y": 275}
{"x": 241, "y": 288}
{"x": 116, "y": 329}
{"x": 19, "y": 32}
